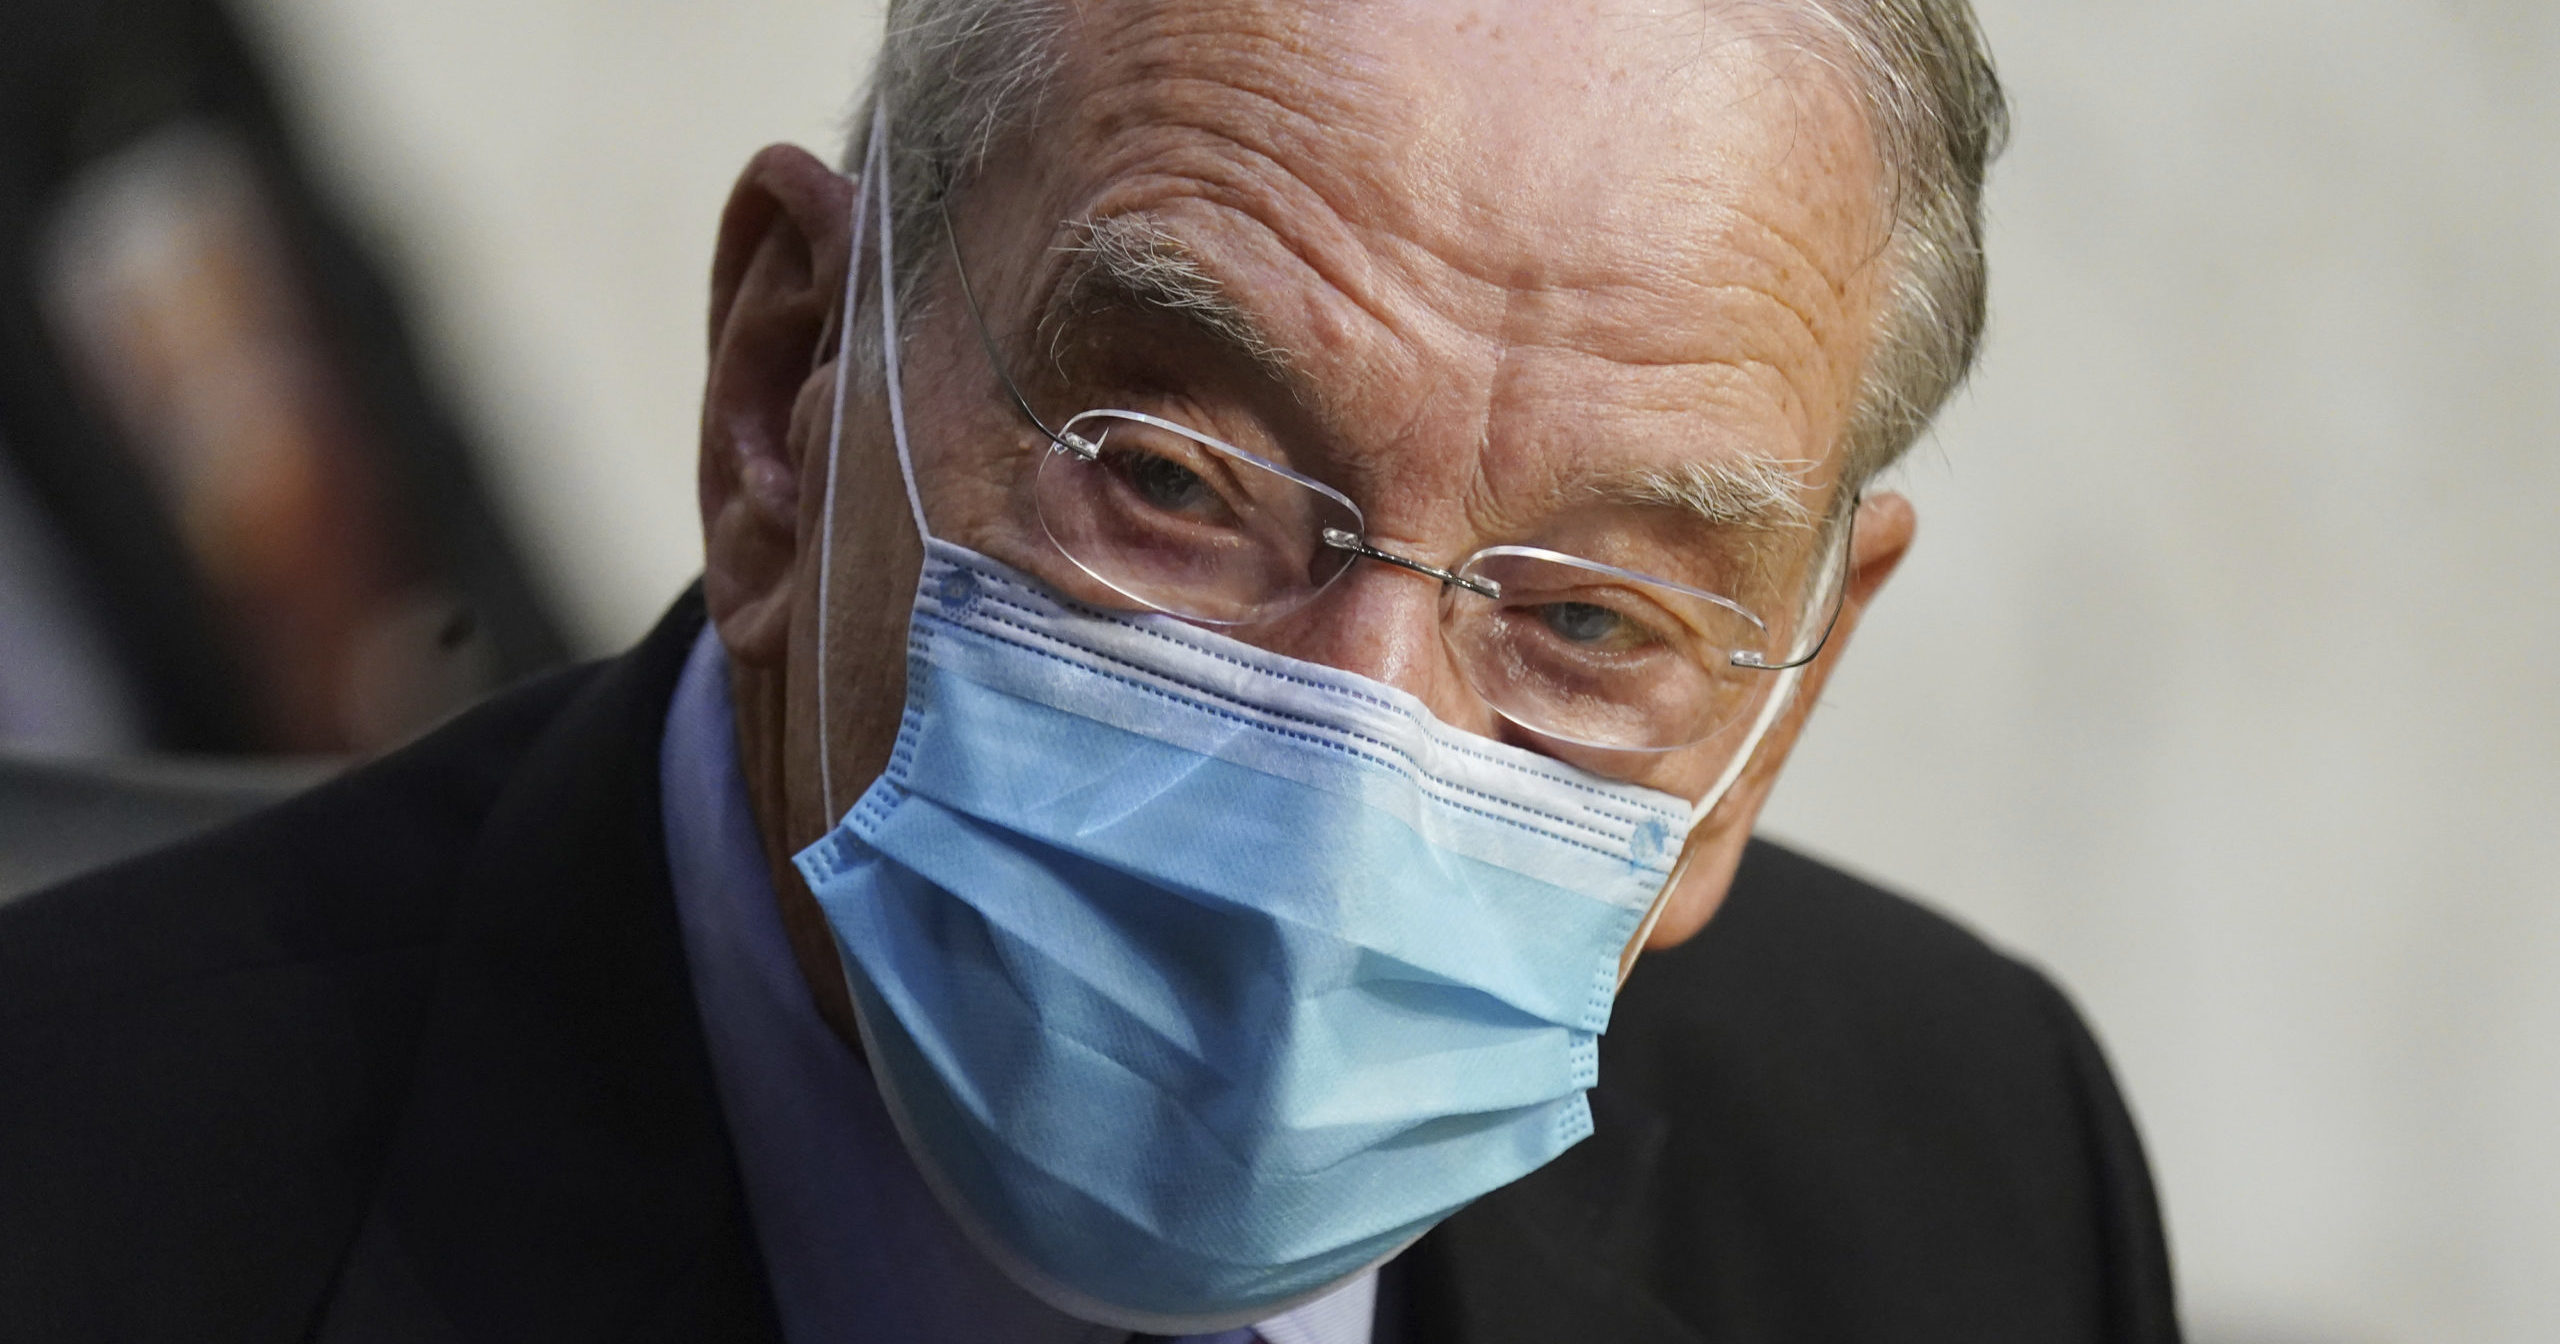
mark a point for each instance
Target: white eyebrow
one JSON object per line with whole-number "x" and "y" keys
{"x": 1133, "y": 262}
{"x": 1758, "y": 494}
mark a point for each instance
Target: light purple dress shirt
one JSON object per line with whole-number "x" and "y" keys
{"x": 856, "y": 1247}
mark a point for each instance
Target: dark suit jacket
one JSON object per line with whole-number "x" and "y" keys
{"x": 414, "y": 1057}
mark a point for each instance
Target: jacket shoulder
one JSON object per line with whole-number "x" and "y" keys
{"x": 206, "y": 1048}
{"x": 1806, "y": 952}
{"x": 1874, "y": 1124}
{"x": 352, "y": 868}
{"x": 223, "y": 1057}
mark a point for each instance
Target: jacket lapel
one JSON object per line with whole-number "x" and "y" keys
{"x": 562, "y": 1171}
{"x": 1556, "y": 1255}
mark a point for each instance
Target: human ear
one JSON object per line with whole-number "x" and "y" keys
{"x": 777, "y": 283}
{"x": 1885, "y": 528}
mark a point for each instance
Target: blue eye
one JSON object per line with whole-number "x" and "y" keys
{"x": 1163, "y": 483}
{"x": 1581, "y": 622}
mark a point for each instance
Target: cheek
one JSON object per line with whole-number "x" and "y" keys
{"x": 982, "y": 493}
{"x": 972, "y": 460}
{"x": 1686, "y": 773}
{"x": 1708, "y": 878}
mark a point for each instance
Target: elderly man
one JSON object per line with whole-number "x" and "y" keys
{"x": 1263, "y": 557}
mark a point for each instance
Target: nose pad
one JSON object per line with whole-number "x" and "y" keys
{"x": 1383, "y": 623}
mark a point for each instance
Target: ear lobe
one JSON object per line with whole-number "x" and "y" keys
{"x": 777, "y": 280}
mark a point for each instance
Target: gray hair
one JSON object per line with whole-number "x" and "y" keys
{"x": 955, "y": 75}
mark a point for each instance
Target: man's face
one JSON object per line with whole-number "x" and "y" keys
{"x": 1480, "y": 267}
{"x": 1484, "y": 270}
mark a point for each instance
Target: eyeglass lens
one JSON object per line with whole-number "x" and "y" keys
{"x": 1574, "y": 649}
{"x": 1586, "y": 655}
{"x": 1186, "y": 525}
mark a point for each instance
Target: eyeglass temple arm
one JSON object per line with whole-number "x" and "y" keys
{"x": 995, "y": 357}
{"x": 1839, "y": 599}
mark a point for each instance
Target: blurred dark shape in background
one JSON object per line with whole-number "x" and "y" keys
{"x": 233, "y": 517}
{"x": 59, "y": 819}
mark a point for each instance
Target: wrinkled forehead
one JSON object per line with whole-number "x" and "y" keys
{"x": 1560, "y": 143}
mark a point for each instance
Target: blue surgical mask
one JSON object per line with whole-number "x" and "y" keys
{"x": 1201, "y": 979}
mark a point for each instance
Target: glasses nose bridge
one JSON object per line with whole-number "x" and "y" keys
{"x": 1361, "y": 548}
{"x": 1378, "y": 622}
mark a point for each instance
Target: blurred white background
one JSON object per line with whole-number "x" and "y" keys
{"x": 2221, "y": 681}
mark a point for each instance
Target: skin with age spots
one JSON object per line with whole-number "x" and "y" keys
{"x": 1509, "y": 257}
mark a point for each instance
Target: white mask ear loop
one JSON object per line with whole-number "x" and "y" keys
{"x": 889, "y": 322}
{"x": 871, "y": 172}
{"x": 1781, "y": 696}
